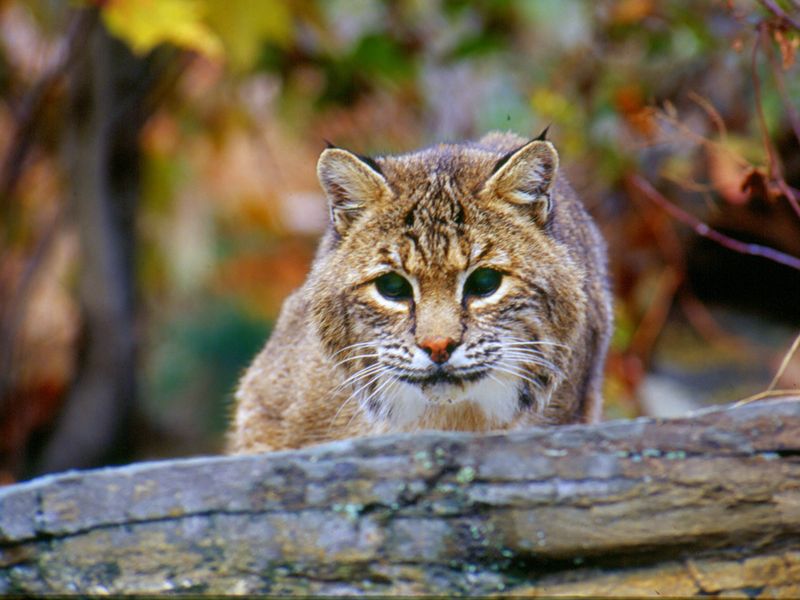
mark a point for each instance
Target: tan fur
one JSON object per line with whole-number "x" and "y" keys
{"x": 345, "y": 361}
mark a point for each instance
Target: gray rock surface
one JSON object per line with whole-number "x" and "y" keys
{"x": 708, "y": 503}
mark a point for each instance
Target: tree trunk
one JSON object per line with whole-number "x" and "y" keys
{"x": 701, "y": 505}
{"x": 106, "y": 114}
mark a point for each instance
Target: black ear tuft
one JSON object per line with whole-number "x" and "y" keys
{"x": 370, "y": 162}
{"x": 329, "y": 144}
{"x": 542, "y": 137}
{"x": 504, "y": 159}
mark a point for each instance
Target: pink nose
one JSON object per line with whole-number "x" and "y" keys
{"x": 438, "y": 348}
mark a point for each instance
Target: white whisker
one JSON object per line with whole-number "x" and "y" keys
{"x": 533, "y": 359}
{"x": 377, "y": 374}
{"x": 525, "y": 352}
{"x": 505, "y": 384}
{"x": 352, "y": 347}
{"x": 360, "y": 374}
{"x": 338, "y": 412}
{"x": 541, "y": 396}
{"x": 383, "y": 384}
{"x": 521, "y": 342}
{"x": 341, "y": 362}
{"x": 518, "y": 372}
{"x": 386, "y": 384}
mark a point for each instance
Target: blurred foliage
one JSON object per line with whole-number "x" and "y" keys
{"x": 200, "y": 354}
{"x": 144, "y": 24}
{"x": 231, "y": 210}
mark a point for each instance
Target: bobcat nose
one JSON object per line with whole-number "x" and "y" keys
{"x": 438, "y": 348}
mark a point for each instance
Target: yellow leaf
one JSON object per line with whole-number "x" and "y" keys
{"x": 550, "y": 104}
{"x": 243, "y": 25}
{"x": 144, "y": 24}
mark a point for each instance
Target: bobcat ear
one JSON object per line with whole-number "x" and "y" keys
{"x": 351, "y": 183}
{"x": 525, "y": 176}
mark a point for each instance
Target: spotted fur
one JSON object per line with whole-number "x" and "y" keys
{"x": 345, "y": 361}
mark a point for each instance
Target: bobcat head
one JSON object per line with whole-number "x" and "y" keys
{"x": 440, "y": 288}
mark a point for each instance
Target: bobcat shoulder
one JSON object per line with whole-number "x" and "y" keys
{"x": 458, "y": 287}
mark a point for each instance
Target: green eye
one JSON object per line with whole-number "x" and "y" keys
{"x": 483, "y": 282}
{"x": 393, "y": 287}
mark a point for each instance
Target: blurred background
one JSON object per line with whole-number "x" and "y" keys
{"x": 158, "y": 196}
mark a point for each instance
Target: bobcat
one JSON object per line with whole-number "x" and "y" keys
{"x": 458, "y": 287}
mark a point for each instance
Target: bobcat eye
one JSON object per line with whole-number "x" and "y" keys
{"x": 393, "y": 287}
{"x": 482, "y": 282}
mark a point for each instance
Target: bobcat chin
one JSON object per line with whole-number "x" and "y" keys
{"x": 458, "y": 287}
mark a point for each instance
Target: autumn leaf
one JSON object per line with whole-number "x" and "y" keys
{"x": 788, "y": 46}
{"x": 631, "y": 11}
{"x": 755, "y": 185}
{"x": 730, "y": 169}
{"x": 243, "y": 25}
{"x": 144, "y": 24}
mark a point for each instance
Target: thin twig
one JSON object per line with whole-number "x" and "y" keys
{"x": 705, "y": 324}
{"x": 685, "y": 131}
{"x": 27, "y": 120}
{"x": 784, "y": 363}
{"x": 794, "y": 120}
{"x": 14, "y": 315}
{"x": 769, "y": 394}
{"x": 689, "y": 184}
{"x": 670, "y": 247}
{"x": 774, "y": 166}
{"x": 711, "y": 112}
{"x": 777, "y": 73}
{"x": 161, "y": 80}
{"x": 776, "y": 10}
{"x": 791, "y": 195}
{"x": 655, "y": 317}
{"x": 705, "y": 231}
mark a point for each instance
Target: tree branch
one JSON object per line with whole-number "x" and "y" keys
{"x": 704, "y": 230}
{"x": 30, "y": 109}
{"x": 776, "y": 10}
